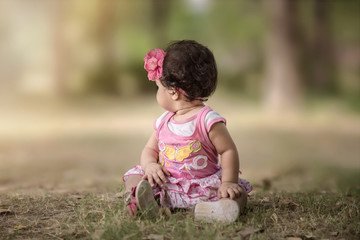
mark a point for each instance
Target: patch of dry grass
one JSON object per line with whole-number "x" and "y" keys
{"x": 270, "y": 215}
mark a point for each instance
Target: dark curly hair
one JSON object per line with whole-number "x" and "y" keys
{"x": 190, "y": 66}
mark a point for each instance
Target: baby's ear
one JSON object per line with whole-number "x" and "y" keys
{"x": 175, "y": 94}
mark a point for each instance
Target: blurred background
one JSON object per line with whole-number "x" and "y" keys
{"x": 76, "y": 107}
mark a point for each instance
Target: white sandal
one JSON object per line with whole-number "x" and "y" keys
{"x": 224, "y": 210}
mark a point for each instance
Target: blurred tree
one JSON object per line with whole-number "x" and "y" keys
{"x": 160, "y": 10}
{"x": 322, "y": 52}
{"x": 104, "y": 78}
{"x": 61, "y": 54}
{"x": 283, "y": 82}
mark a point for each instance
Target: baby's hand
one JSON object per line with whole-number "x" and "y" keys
{"x": 155, "y": 173}
{"x": 229, "y": 190}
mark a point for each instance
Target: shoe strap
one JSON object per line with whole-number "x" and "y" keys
{"x": 130, "y": 196}
{"x": 130, "y": 201}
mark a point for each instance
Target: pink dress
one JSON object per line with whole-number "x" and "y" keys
{"x": 186, "y": 151}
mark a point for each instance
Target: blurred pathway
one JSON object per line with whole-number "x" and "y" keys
{"x": 87, "y": 146}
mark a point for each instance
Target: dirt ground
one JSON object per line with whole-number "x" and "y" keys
{"x": 88, "y": 145}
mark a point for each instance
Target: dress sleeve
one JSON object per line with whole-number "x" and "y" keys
{"x": 211, "y": 118}
{"x": 159, "y": 120}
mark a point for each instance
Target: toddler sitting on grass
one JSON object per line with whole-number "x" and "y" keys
{"x": 180, "y": 161}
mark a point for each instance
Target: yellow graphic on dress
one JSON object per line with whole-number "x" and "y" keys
{"x": 178, "y": 154}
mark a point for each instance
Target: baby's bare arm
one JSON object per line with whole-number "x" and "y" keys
{"x": 150, "y": 153}
{"x": 149, "y": 163}
{"x": 225, "y": 146}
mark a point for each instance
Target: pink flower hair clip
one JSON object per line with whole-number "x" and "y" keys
{"x": 154, "y": 63}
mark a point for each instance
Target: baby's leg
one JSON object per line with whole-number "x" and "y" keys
{"x": 129, "y": 196}
{"x": 140, "y": 197}
{"x": 132, "y": 182}
{"x": 225, "y": 210}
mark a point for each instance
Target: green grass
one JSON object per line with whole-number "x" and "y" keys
{"x": 269, "y": 215}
